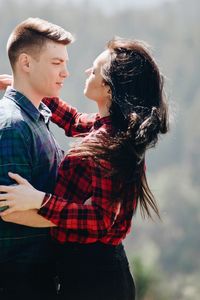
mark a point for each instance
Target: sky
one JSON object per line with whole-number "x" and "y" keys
{"x": 123, "y": 3}
{"x": 117, "y": 4}
{"x": 112, "y": 6}
{"x": 141, "y": 2}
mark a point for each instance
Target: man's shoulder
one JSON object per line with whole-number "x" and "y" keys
{"x": 11, "y": 114}
{"x": 13, "y": 121}
{"x": 8, "y": 106}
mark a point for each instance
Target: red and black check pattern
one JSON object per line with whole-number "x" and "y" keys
{"x": 81, "y": 179}
{"x": 67, "y": 117}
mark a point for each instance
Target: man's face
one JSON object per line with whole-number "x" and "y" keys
{"x": 48, "y": 70}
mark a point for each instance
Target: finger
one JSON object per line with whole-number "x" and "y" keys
{"x": 3, "y": 86}
{"x": 6, "y": 79}
{"x": 17, "y": 178}
{"x": 9, "y": 203}
{"x": 5, "y": 188}
{"x": 4, "y": 197}
{"x": 2, "y": 76}
{"x": 7, "y": 211}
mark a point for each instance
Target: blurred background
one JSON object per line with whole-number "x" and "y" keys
{"x": 164, "y": 255}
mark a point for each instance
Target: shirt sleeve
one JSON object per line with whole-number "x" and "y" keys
{"x": 90, "y": 221}
{"x": 68, "y": 118}
{"x": 14, "y": 155}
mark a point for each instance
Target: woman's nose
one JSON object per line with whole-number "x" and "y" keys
{"x": 88, "y": 71}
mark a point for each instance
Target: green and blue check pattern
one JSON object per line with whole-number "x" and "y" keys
{"x": 27, "y": 147}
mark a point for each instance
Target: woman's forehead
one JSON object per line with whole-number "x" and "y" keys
{"x": 102, "y": 58}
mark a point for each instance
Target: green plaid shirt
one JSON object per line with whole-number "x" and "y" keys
{"x": 27, "y": 147}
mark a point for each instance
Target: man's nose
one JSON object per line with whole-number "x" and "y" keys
{"x": 64, "y": 73}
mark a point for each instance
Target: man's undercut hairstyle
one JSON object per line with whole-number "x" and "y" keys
{"x": 33, "y": 34}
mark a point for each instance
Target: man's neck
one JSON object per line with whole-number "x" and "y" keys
{"x": 27, "y": 91}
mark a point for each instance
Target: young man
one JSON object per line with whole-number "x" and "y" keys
{"x": 38, "y": 56}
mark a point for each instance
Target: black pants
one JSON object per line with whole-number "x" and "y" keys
{"x": 94, "y": 272}
{"x": 27, "y": 282}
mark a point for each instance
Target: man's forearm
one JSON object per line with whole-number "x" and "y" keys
{"x": 28, "y": 218}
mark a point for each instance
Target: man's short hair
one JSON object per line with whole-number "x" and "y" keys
{"x": 33, "y": 34}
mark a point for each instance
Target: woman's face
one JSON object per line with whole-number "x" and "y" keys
{"x": 95, "y": 87}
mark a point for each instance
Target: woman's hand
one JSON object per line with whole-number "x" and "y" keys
{"x": 22, "y": 196}
{"x": 5, "y": 81}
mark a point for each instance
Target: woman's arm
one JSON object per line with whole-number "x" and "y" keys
{"x": 87, "y": 221}
{"x": 28, "y": 218}
{"x": 67, "y": 117}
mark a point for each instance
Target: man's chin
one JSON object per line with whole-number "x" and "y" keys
{"x": 54, "y": 94}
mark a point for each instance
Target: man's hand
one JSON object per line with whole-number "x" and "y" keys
{"x": 5, "y": 81}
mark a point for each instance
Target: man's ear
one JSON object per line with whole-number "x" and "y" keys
{"x": 24, "y": 62}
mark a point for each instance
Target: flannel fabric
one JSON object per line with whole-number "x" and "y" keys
{"x": 28, "y": 148}
{"x": 78, "y": 180}
{"x": 67, "y": 117}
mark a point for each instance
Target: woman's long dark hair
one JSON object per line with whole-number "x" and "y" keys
{"x": 138, "y": 114}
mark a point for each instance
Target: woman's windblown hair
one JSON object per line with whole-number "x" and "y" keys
{"x": 138, "y": 112}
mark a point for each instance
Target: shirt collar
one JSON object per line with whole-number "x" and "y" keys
{"x": 102, "y": 121}
{"x": 28, "y": 106}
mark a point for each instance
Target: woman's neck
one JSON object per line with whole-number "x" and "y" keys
{"x": 103, "y": 110}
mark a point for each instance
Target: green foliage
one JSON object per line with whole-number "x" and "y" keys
{"x": 144, "y": 279}
{"x": 148, "y": 282}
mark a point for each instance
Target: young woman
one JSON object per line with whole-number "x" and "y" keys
{"x": 102, "y": 179}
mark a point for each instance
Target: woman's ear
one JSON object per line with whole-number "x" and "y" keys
{"x": 109, "y": 92}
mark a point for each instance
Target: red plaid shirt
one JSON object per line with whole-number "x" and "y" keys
{"x": 80, "y": 179}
